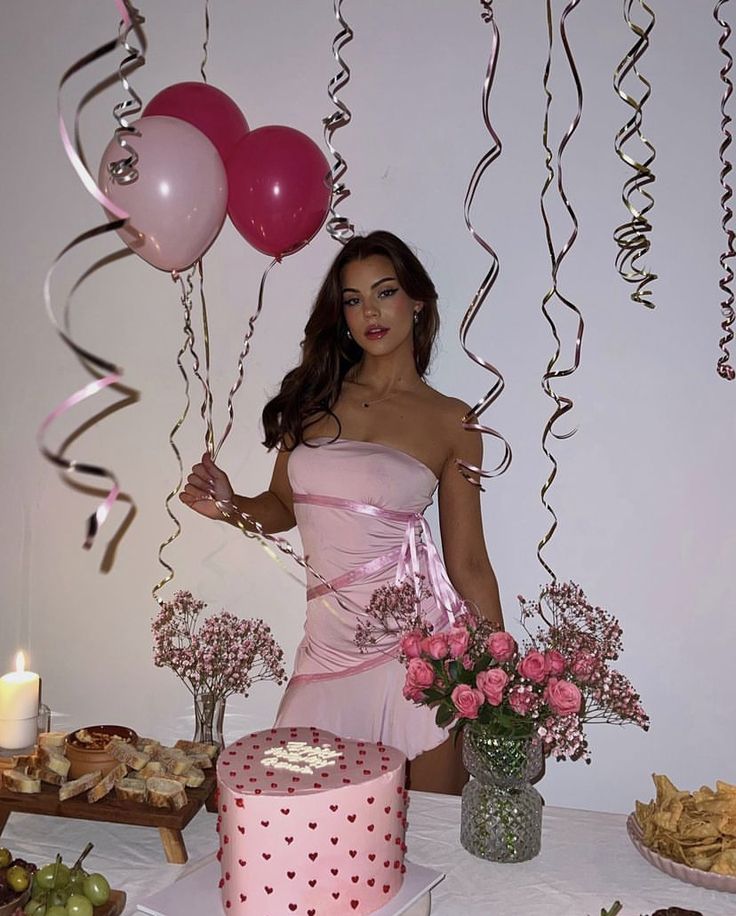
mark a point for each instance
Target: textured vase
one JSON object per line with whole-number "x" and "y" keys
{"x": 501, "y": 815}
{"x": 209, "y": 715}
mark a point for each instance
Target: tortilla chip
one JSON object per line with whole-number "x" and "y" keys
{"x": 725, "y": 864}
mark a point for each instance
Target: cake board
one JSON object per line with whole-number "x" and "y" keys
{"x": 197, "y": 893}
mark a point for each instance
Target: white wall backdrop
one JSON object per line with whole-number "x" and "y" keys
{"x": 645, "y": 490}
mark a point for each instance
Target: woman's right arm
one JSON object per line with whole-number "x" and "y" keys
{"x": 273, "y": 509}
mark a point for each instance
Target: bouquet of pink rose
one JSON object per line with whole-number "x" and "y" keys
{"x": 224, "y": 655}
{"x": 557, "y": 681}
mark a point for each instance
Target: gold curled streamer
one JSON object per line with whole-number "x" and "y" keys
{"x": 632, "y": 237}
{"x": 723, "y": 366}
{"x": 124, "y": 171}
{"x": 339, "y": 227}
{"x": 563, "y": 404}
{"x": 186, "y": 301}
{"x": 206, "y": 408}
{"x": 471, "y": 420}
{"x": 205, "y": 43}
{"x": 241, "y": 358}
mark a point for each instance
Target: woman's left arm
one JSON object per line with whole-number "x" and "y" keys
{"x": 461, "y": 526}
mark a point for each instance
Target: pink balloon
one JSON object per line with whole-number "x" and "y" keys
{"x": 178, "y": 203}
{"x": 278, "y": 190}
{"x": 204, "y": 107}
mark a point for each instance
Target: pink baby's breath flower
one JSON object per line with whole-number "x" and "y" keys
{"x": 522, "y": 700}
{"x": 584, "y": 665}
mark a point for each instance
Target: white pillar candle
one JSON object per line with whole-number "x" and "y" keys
{"x": 19, "y": 696}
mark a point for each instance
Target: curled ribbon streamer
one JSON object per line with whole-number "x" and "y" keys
{"x": 241, "y": 358}
{"x": 110, "y": 373}
{"x": 563, "y": 404}
{"x": 186, "y": 301}
{"x": 471, "y": 420}
{"x": 632, "y": 237}
{"x": 724, "y": 367}
{"x": 206, "y": 408}
{"x": 205, "y": 43}
{"x": 124, "y": 171}
{"x": 339, "y": 227}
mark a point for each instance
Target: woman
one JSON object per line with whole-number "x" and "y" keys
{"x": 363, "y": 442}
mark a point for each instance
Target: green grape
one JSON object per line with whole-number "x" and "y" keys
{"x": 76, "y": 880}
{"x": 35, "y": 908}
{"x": 78, "y": 905}
{"x": 61, "y": 876}
{"x": 57, "y": 898}
{"x": 45, "y": 876}
{"x": 56, "y": 911}
{"x": 97, "y": 889}
{"x": 36, "y": 889}
{"x": 6, "y": 857}
{"x": 18, "y": 878}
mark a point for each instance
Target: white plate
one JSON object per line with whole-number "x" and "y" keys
{"x": 696, "y": 876}
{"x": 198, "y": 893}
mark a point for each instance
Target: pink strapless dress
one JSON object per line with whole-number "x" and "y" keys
{"x": 359, "y": 508}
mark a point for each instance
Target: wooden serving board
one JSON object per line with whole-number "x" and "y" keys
{"x": 110, "y": 809}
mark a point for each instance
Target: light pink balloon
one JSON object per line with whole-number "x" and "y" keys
{"x": 178, "y": 203}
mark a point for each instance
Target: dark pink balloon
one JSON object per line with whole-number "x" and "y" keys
{"x": 178, "y": 203}
{"x": 278, "y": 189}
{"x": 204, "y": 107}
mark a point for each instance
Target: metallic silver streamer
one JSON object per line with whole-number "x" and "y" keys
{"x": 724, "y": 366}
{"x": 632, "y": 237}
{"x": 339, "y": 227}
{"x": 186, "y": 301}
{"x": 241, "y": 359}
{"x": 471, "y": 420}
{"x": 124, "y": 171}
{"x": 206, "y": 408}
{"x": 563, "y": 404}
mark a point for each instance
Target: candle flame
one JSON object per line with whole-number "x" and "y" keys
{"x": 20, "y": 662}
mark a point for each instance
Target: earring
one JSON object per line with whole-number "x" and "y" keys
{"x": 416, "y": 317}
{"x": 348, "y": 334}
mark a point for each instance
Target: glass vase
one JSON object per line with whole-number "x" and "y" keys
{"x": 209, "y": 716}
{"x": 501, "y": 814}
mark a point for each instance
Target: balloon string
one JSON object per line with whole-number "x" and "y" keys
{"x": 339, "y": 227}
{"x": 124, "y": 171}
{"x": 205, "y": 43}
{"x": 186, "y": 301}
{"x": 563, "y": 404}
{"x": 471, "y": 421}
{"x": 241, "y": 359}
{"x": 206, "y": 408}
{"x": 111, "y": 374}
{"x": 632, "y": 237}
{"x": 724, "y": 367}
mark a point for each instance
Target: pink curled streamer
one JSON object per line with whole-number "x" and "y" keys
{"x": 110, "y": 373}
{"x": 563, "y": 404}
{"x": 471, "y": 421}
{"x": 724, "y": 367}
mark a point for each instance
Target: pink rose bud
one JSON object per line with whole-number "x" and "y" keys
{"x": 437, "y": 646}
{"x": 467, "y": 662}
{"x": 501, "y": 646}
{"x": 584, "y": 666}
{"x": 419, "y": 673}
{"x": 554, "y": 662}
{"x": 413, "y": 693}
{"x": 522, "y": 701}
{"x": 457, "y": 640}
{"x": 411, "y": 644}
{"x": 532, "y": 667}
{"x": 492, "y": 684}
{"x": 467, "y": 700}
{"x": 563, "y": 697}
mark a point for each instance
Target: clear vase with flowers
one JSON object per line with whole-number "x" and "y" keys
{"x": 219, "y": 656}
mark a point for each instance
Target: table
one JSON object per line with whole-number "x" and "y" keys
{"x": 587, "y": 862}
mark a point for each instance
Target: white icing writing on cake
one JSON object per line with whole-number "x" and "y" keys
{"x": 300, "y": 757}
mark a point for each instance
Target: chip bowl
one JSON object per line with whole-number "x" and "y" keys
{"x": 88, "y": 756}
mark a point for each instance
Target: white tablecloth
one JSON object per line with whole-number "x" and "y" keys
{"x": 586, "y": 862}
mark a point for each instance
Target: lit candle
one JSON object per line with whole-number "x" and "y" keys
{"x": 19, "y": 695}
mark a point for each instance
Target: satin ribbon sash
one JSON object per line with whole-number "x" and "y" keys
{"x": 417, "y": 541}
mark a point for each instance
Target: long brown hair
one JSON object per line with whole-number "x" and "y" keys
{"x": 311, "y": 389}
